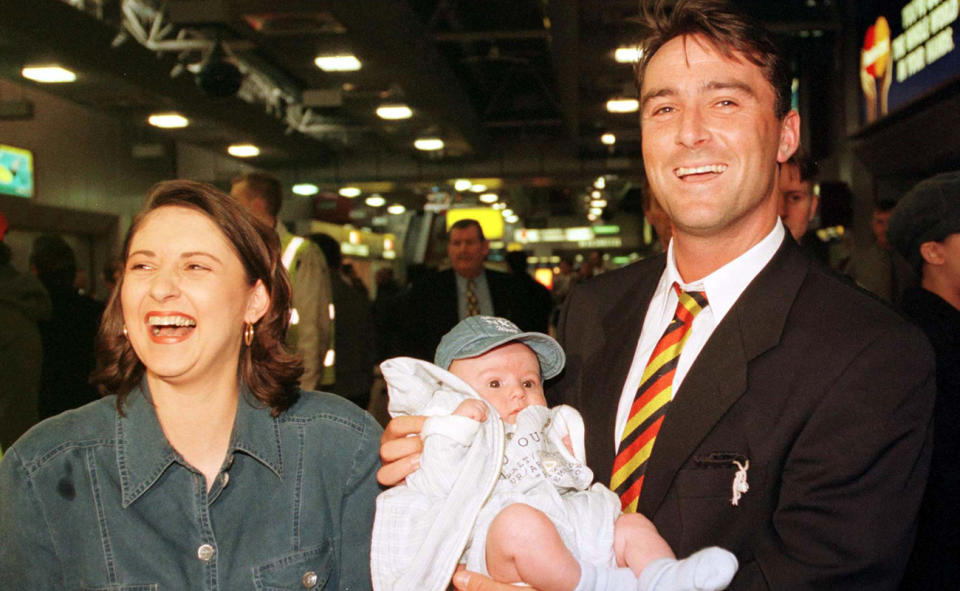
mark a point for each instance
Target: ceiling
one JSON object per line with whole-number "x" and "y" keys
{"x": 515, "y": 88}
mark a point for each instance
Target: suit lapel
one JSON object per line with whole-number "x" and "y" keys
{"x": 621, "y": 327}
{"x": 719, "y": 375}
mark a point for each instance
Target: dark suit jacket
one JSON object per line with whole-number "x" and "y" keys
{"x": 825, "y": 391}
{"x": 431, "y": 308}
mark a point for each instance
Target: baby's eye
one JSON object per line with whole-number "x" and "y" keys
{"x": 494, "y": 384}
{"x": 529, "y": 384}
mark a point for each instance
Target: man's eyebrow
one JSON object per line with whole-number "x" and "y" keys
{"x": 729, "y": 85}
{"x": 656, "y": 93}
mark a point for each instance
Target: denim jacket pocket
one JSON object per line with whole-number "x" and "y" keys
{"x": 306, "y": 570}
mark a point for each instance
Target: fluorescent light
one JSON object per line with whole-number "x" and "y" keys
{"x": 168, "y": 120}
{"x": 478, "y": 188}
{"x": 628, "y": 54}
{"x": 51, "y": 74}
{"x": 608, "y": 139}
{"x": 488, "y": 198}
{"x": 623, "y": 105}
{"x": 306, "y": 189}
{"x": 500, "y": 205}
{"x": 428, "y": 144}
{"x": 506, "y": 212}
{"x": 512, "y": 219}
{"x": 243, "y": 150}
{"x": 396, "y": 209}
{"x": 337, "y": 63}
{"x": 393, "y": 112}
{"x": 375, "y": 201}
{"x": 595, "y": 210}
{"x": 349, "y": 192}
{"x": 462, "y": 184}
{"x": 598, "y": 203}
{"x": 596, "y": 194}
{"x": 601, "y": 182}
{"x": 592, "y": 217}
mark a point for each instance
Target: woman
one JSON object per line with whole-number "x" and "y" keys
{"x": 204, "y": 466}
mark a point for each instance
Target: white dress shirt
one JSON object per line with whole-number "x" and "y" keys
{"x": 723, "y": 287}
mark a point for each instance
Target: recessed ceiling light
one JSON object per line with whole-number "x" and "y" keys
{"x": 428, "y": 144}
{"x": 375, "y": 201}
{"x": 478, "y": 188}
{"x": 506, "y": 212}
{"x": 51, "y": 74}
{"x": 608, "y": 139}
{"x": 393, "y": 112}
{"x": 595, "y": 211}
{"x": 596, "y": 194}
{"x": 396, "y": 209}
{"x": 349, "y": 192}
{"x": 628, "y": 54}
{"x": 306, "y": 189}
{"x": 462, "y": 184}
{"x": 601, "y": 182}
{"x": 337, "y": 63}
{"x": 623, "y": 105}
{"x": 168, "y": 120}
{"x": 488, "y": 198}
{"x": 598, "y": 203}
{"x": 500, "y": 205}
{"x": 243, "y": 150}
{"x": 512, "y": 219}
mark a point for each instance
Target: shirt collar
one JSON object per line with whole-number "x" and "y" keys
{"x": 724, "y": 286}
{"x": 144, "y": 454}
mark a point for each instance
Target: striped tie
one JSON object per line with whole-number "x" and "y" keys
{"x": 473, "y": 305}
{"x": 651, "y": 401}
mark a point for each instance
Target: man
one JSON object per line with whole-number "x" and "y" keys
{"x": 437, "y": 302}
{"x": 310, "y": 332}
{"x": 532, "y": 294}
{"x": 797, "y": 429}
{"x": 23, "y": 302}
{"x": 798, "y": 204}
{"x": 925, "y": 229}
{"x": 876, "y": 267}
{"x": 69, "y": 336}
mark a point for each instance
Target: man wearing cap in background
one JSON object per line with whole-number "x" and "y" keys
{"x": 23, "y": 302}
{"x": 925, "y": 229}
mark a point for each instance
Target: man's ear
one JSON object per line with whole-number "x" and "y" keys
{"x": 789, "y": 136}
{"x": 932, "y": 253}
{"x": 258, "y": 302}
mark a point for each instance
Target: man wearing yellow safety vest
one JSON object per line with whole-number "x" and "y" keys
{"x": 310, "y": 329}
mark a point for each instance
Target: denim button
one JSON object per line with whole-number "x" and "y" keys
{"x": 309, "y": 579}
{"x": 205, "y": 552}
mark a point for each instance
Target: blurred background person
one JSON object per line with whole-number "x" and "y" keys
{"x": 23, "y": 302}
{"x": 353, "y": 330}
{"x": 925, "y": 229}
{"x": 310, "y": 331}
{"x": 876, "y": 267}
{"x": 798, "y": 204}
{"x": 70, "y": 334}
{"x": 534, "y": 296}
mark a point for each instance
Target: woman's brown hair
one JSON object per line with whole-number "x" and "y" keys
{"x": 266, "y": 367}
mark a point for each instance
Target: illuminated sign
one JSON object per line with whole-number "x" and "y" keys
{"x": 16, "y": 171}
{"x": 909, "y": 49}
{"x": 490, "y": 220}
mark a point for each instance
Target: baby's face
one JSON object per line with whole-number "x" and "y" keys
{"x": 507, "y": 377}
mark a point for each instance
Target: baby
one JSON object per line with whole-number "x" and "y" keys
{"x": 512, "y": 497}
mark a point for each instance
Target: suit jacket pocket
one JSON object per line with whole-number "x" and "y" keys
{"x": 307, "y": 569}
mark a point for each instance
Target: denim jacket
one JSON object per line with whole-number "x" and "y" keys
{"x": 92, "y": 500}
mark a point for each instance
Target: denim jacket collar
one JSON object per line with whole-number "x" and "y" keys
{"x": 143, "y": 452}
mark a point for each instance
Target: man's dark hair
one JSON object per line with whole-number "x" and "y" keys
{"x": 330, "y": 247}
{"x": 467, "y": 223}
{"x": 54, "y": 260}
{"x": 884, "y": 205}
{"x": 727, "y": 30}
{"x": 267, "y": 187}
{"x": 807, "y": 166}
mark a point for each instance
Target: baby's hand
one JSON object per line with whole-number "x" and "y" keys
{"x": 472, "y": 409}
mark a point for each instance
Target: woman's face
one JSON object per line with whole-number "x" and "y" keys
{"x": 185, "y": 298}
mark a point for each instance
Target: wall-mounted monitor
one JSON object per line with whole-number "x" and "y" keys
{"x": 16, "y": 171}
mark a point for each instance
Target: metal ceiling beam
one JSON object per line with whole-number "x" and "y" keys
{"x": 389, "y": 33}
{"x": 53, "y": 27}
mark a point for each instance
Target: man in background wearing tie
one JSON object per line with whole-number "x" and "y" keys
{"x": 440, "y": 300}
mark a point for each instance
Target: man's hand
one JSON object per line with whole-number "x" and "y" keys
{"x": 400, "y": 453}
{"x": 465, "y": 580}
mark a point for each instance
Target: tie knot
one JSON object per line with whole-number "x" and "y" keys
{"x": 692, "y": 301}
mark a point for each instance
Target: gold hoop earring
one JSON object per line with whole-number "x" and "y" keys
{"x": 248, "y": 334}
{"x": 125, "y": 331}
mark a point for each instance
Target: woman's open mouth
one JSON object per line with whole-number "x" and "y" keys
{"x": 167, "y": 327}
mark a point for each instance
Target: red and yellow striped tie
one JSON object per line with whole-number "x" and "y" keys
{"x": 651, "y": 401}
